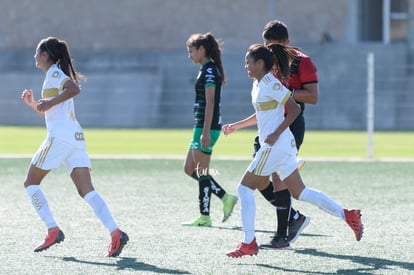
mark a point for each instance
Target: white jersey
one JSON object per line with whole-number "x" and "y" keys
{"x": 269, "y": 97}
{"x": 64, "y": 142}
{"x": 60, "y": 119}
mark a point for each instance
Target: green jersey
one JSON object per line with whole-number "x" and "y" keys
{"x": 208, "y": 76}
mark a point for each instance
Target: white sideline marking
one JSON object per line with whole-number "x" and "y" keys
{"x": 182, "y": 157}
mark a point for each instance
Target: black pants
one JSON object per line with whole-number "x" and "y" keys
{"x": 298, "y": 129}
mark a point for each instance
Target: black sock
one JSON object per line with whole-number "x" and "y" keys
{"x": 204, "y": 194}
{"x": 268, "y": 194}
{"x": 194, "y": 176}
{"x": 216, "y": 188}
{"x": 283, "y": 205}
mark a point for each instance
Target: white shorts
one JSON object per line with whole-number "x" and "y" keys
{"x": 280, "y": 158}
{"x": 54, "y": 151}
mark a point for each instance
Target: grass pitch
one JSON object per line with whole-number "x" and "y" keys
{"x": 332, "y": 144}
{"x": 149, "y": 198}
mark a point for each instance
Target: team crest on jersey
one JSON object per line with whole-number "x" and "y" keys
{"x": 55, "y": 74}
{"x": 276, "y": 86}
{"x": 209, "y": 78}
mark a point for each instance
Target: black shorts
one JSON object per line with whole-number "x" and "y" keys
{"x": 298, "y": 129}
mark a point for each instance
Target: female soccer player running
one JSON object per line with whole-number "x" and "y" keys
{"x": 278, "y": 149}
{"x": 64, "y": 143}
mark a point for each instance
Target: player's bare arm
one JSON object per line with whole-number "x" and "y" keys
{"x": 208, "y": 117}
{"x": 308, "y": 94}
{"x": 294, "y": 111}
{"x": 70, "y": 89}
{"x": 230, "y": 128}
{"x": 28, "y": 98}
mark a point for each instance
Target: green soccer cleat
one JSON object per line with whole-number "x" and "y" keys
{"x": 203, "y": 220}
{"x": 229, "y": 201}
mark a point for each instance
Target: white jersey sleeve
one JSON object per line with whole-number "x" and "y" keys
{"x": 268, "y": 98}
{"x": 60, "y": 119}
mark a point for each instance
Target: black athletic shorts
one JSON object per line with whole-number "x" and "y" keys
{"x": 298, "y": 129}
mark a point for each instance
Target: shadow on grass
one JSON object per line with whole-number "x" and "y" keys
{"x": 372, "y": 264}
{"x": 125, "y": 263}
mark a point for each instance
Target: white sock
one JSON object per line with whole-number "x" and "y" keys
{"x": 322, "y": 201}
{"x": 41, "y": 206}
{"x": 101, "y": 210}
{"x": 248, "y": 212}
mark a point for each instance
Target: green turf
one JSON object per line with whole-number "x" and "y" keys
{"x": 25, "y": 140}
{"x": 150, "y": 198}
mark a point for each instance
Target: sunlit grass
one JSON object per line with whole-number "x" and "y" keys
{"x": 25, "y": 140}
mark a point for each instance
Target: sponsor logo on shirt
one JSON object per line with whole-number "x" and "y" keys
{"x": 56, "y": 74}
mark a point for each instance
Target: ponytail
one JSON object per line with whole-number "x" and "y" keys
{"x": 282, "y": 58}
{"x": 213, "y": 51}
{"x": 58, "y": 51}
{"x": 212, "y": 48}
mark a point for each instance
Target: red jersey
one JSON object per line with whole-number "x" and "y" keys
{"x": 302, "y": 71}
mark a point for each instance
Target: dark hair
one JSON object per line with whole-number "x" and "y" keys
{"x": 58, "y": 51}
{"x": 276, "y": 30}
{"x": 259, "y": 51}
{"x": 211, "y": 46}
{"x": 283, "y": 57}
{"x": 275, "y": 56}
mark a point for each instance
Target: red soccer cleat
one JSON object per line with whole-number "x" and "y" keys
{"x": 54, "y": 237}
{"x": 353, "y": 219}
{"x": 244, "y": 249}
{"x": 119, "y": 240}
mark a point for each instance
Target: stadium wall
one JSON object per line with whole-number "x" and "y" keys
{"x": 133, "y": 53}
{"x": 141, "y": 90}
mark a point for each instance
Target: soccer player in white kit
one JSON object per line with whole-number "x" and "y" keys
{"x": 64, "y": 143}
{"x": 278, "y": 149}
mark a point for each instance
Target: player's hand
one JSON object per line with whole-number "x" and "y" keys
{"x": 43, "y": 105}
{"x": 271, "y": 139}
{"x": 205, "y": 141}
{"x": 228, "y": 129}
{"x": 27, "y": 97}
